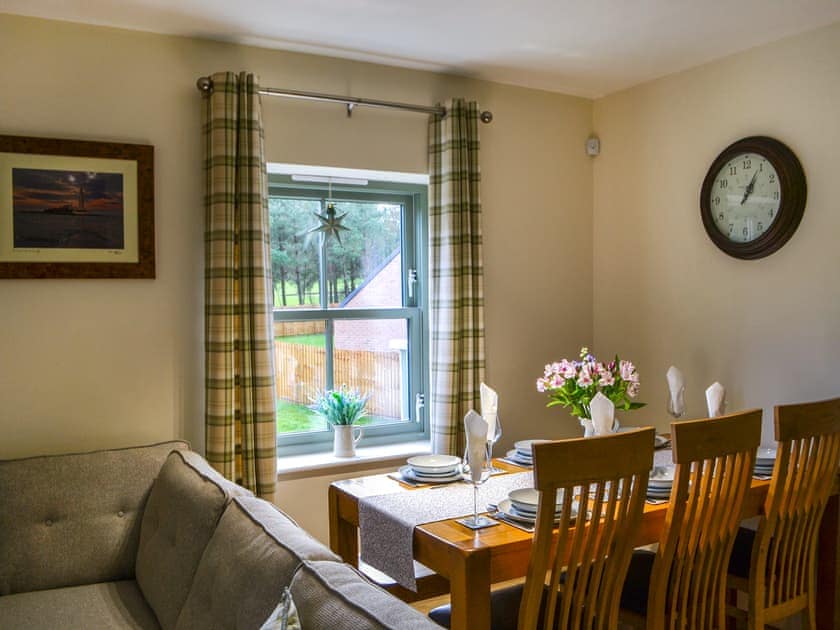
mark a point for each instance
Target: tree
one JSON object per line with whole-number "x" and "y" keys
{"x": 373, "y": 235}
{"x": 293, "y": 255}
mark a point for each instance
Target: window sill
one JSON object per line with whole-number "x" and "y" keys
{"x": 319, "y": 464}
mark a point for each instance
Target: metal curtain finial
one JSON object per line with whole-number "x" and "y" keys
{"x": 204, "y": 85}
{"x": 486, "y": 116}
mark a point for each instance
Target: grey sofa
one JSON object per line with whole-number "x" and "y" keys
{"x": 153, "y": 537}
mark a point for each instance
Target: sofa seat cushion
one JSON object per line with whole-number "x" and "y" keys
{"x": 68, "y": 520}
{"x": 251, "y": 557}
{"x": 103, "y": 606}
{"x": 336, "y": 596}
{"x": 184, "y": 506}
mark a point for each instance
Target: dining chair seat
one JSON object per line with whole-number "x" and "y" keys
{"x": 634, "y": 595}
{"x": 505, "y": 602}
{"x": 739, "y": 561}
{"x": 504, "y": 609}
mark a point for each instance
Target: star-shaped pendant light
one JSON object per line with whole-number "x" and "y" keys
{"x": 330, "y": 224}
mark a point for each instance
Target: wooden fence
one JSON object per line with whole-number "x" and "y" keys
{"x": 309, "y": 327}
{"x": 301, "y": 371}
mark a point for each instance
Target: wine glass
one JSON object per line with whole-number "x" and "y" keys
{"x": 475, "y": 521}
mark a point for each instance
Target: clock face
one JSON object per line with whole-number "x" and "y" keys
{"x": 745, "y": 197}
{"x": 753, "y": 197}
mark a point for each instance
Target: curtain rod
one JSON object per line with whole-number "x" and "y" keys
{"x": 205, "y": 86}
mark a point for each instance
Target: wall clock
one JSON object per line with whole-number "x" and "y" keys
{"x": 753, "y": 197}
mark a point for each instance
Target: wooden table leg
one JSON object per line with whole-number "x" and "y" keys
{"x": 344, "y": 535}
{"x": 470, "y": 590}
{"x": 828, "y": 565}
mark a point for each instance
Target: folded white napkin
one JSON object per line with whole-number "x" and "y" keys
{"x": 489, "y": 410}
{"x": 602, "y": 410}
{"x": 716, "y": 399}
{"x": 476, "y": 429}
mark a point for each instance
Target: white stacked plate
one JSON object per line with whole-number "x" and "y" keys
{"x": 660, "y": 441}
{"x": 521, "y": 505}
{"x": 606, "y": 495}
{"x": 660, "y": 482}
{"x": 432, "y": 468}
{"x": 521, "y": 453}
{"x": 513, "y": 455}
{"x": 765, "y": 459}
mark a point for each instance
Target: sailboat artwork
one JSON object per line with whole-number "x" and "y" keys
{"x": 67, "y": 209}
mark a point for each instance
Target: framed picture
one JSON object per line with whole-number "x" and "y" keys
{"x": 76, "y": 209}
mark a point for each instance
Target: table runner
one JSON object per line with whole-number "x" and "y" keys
{"x": 663, "y": 456}
{"x": 387, "y": 522}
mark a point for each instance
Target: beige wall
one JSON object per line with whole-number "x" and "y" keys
{"x": 769, "y": 330}
{"x": 94, "y": 363}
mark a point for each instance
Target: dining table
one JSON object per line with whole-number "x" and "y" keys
{"x": 466, "y": 563}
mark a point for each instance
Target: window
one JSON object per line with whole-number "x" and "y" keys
{"x": 349, "y": 309}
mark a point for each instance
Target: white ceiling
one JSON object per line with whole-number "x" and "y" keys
{"x": 584, "y": 47}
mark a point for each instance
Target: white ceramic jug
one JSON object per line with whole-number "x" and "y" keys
{"x": 344, "y": 441}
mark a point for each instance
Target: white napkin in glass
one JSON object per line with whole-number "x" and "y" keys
{"x": 716, "y": 400}
{"x": 476, "y": 429}
{"x": 676, "y": 385}
{"x": 489, "y": 410}
{"x": 602, "y": 410}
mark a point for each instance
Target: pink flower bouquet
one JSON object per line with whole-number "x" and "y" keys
{"x": 574, "y": 383}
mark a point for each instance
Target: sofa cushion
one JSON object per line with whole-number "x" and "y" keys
{"x": 184, "y": 506}
{"x": 336, "y": 596}
{"x": 74, "y": 519}
{"x": 251, "y": 557}
{"x": 102, "y": 606}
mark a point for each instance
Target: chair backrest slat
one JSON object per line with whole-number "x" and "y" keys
{"x": 605, "y": 479}
{"x": 714, "y": 461}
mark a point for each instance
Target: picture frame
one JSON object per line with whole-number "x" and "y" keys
{"x": 76, "y": 209}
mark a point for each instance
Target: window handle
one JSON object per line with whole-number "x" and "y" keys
{"x": 419, "y": 403}
{"x": 412, "y": 280}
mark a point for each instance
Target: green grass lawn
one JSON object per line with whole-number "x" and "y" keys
{"x": 294, "y": 418}
{"x": 314, "y": 339}
{"x": 297, "y": 418}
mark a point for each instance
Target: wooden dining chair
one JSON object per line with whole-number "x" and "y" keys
{"x": 577, "y": 567}
{"x": 682, "y": 584}
{"x": 776, "y": 565}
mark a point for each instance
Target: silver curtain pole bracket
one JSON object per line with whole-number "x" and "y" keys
{"x": 486, "y": 116}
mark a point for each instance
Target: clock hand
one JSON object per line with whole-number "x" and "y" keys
{"x": 749, "y": 189}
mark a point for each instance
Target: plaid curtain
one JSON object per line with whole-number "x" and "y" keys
{"x": 239, "y": 349}
{"x": 456, "y": 274}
